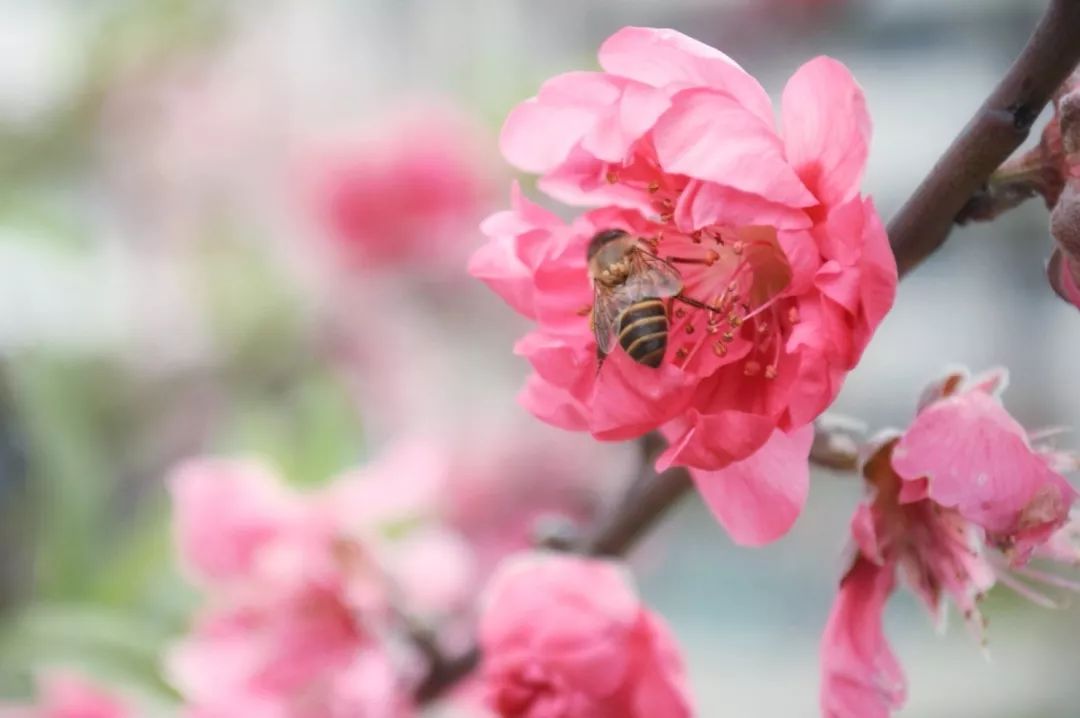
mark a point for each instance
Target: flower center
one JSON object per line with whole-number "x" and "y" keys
{"x": 734, "y": 309}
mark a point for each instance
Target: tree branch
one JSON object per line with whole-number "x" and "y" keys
{"x": 997, "y": 129}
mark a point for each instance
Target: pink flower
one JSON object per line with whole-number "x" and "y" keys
{"x": 65, "y": 694}
{"x": 785, "y": 268}
{"x": 405, "y": 191}
{"x": 566, "y": 637}
{"x": 297, "y": 597}
{"x": 962, "y": 480}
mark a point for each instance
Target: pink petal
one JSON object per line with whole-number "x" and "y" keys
{"x": 702, "y": 204}
{"x": 496, "y": 264}
{"x": 758, "y": 499}
{"x": 630, "y": 399}
{"x": 861, "y": 677}
{"x": 605, "y": 114}
{"x": 826, "y": 129}
{"x": 709, "y": 136}
{"x": 712, "y": 441}
{"x": 663, "y": 58}
{"x": 978, "y": 460}
{"x": 554, "y": 405}
{"x": 225, "y": 512}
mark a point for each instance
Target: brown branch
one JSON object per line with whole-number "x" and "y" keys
{"x": 997, "y": 129}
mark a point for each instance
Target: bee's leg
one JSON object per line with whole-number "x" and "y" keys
{"x": 600, "y": 357}
{"x": 708, "y": 260}
{"x": 693, "y": 302}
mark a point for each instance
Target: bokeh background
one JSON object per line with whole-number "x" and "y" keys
{"x": 240, "y": 228}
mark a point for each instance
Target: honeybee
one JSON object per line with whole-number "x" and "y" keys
{"x": 630, "y": 289}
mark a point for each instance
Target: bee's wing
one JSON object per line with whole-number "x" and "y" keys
{"x": 608, "y": 304}
{"x": 651, "y": 276}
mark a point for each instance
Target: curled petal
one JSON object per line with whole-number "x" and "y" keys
{"x": 758, "y": 499}
{"x": 977, "y": 459}
{"x": 861, "y": 677}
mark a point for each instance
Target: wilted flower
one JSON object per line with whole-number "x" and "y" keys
{"x": 565, "y": 637}
{"x": 785, "y": 270}
{"x": 959, "y": 501}
{"x": 65, "y": 694}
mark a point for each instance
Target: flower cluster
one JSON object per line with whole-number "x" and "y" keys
{"x": 958, "y": 502}
{"x": 784, "y": 268}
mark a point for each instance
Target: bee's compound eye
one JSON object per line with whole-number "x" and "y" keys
{"x": 601, "y": 238}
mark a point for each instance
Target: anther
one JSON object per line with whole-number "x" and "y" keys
{"x": 667, "y": 217}
{"x": 680, "y": 312}
{"x": 612, "y": 176}
{"x": 711, "y": 258}
{"x": 793, "y": 315}
{"x": 681, "y": 354}
{"x": 728, "y": 337}
{"x": 734, "y": 320}
{"x": 770, "y": 372}
{"x": 720, "y": 349}
{"x": 751, "y": 368}
{"x": 737, "y": 247}
{"x": 689, "y": 329}
{"x": 762, "y": 327}
{"x": 712, "y": 328}
{"x": 654, "y": 187}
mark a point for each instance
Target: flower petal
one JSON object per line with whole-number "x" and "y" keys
{"x": 826, "y": 129}
{"x": 709, "y": 136}
{"x": 978, "y": 459}
{"x": 758, "y": 499}
{"x": 663, "y": 58}
{"x": 861, "y": 677}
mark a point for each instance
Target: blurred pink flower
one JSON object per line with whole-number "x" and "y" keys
{"x": 65, "y": 694}
{"x": 963, "y": 479}
{"x": 411, "y": 190}
{"x": 505, "y": 481}
{"x": 565, "y": 637}
{"x": 297, "y": 598}
{"x": 676, "y": 145}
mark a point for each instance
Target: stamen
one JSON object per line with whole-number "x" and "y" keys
{"x": 654, "y": 187}
{"x": 612, "y": 176}
{"x": 1039, "y": 599}
{"x": 689, "y": 329}
{"x": 770, "y": 372}
{"x": 720, "y": 349}
{"x": 1050, "y": 579}
{"x": 793, "y": 315}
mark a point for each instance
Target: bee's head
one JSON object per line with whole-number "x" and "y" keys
{"x": 601, "y": 238}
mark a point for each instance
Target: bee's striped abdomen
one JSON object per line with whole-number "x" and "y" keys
{"x": 643, "y": 330}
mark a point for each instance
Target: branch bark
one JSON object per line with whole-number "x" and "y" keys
{"x": 998, "y": 128}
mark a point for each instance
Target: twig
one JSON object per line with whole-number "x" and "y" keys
{"x": 997, "y": 129}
